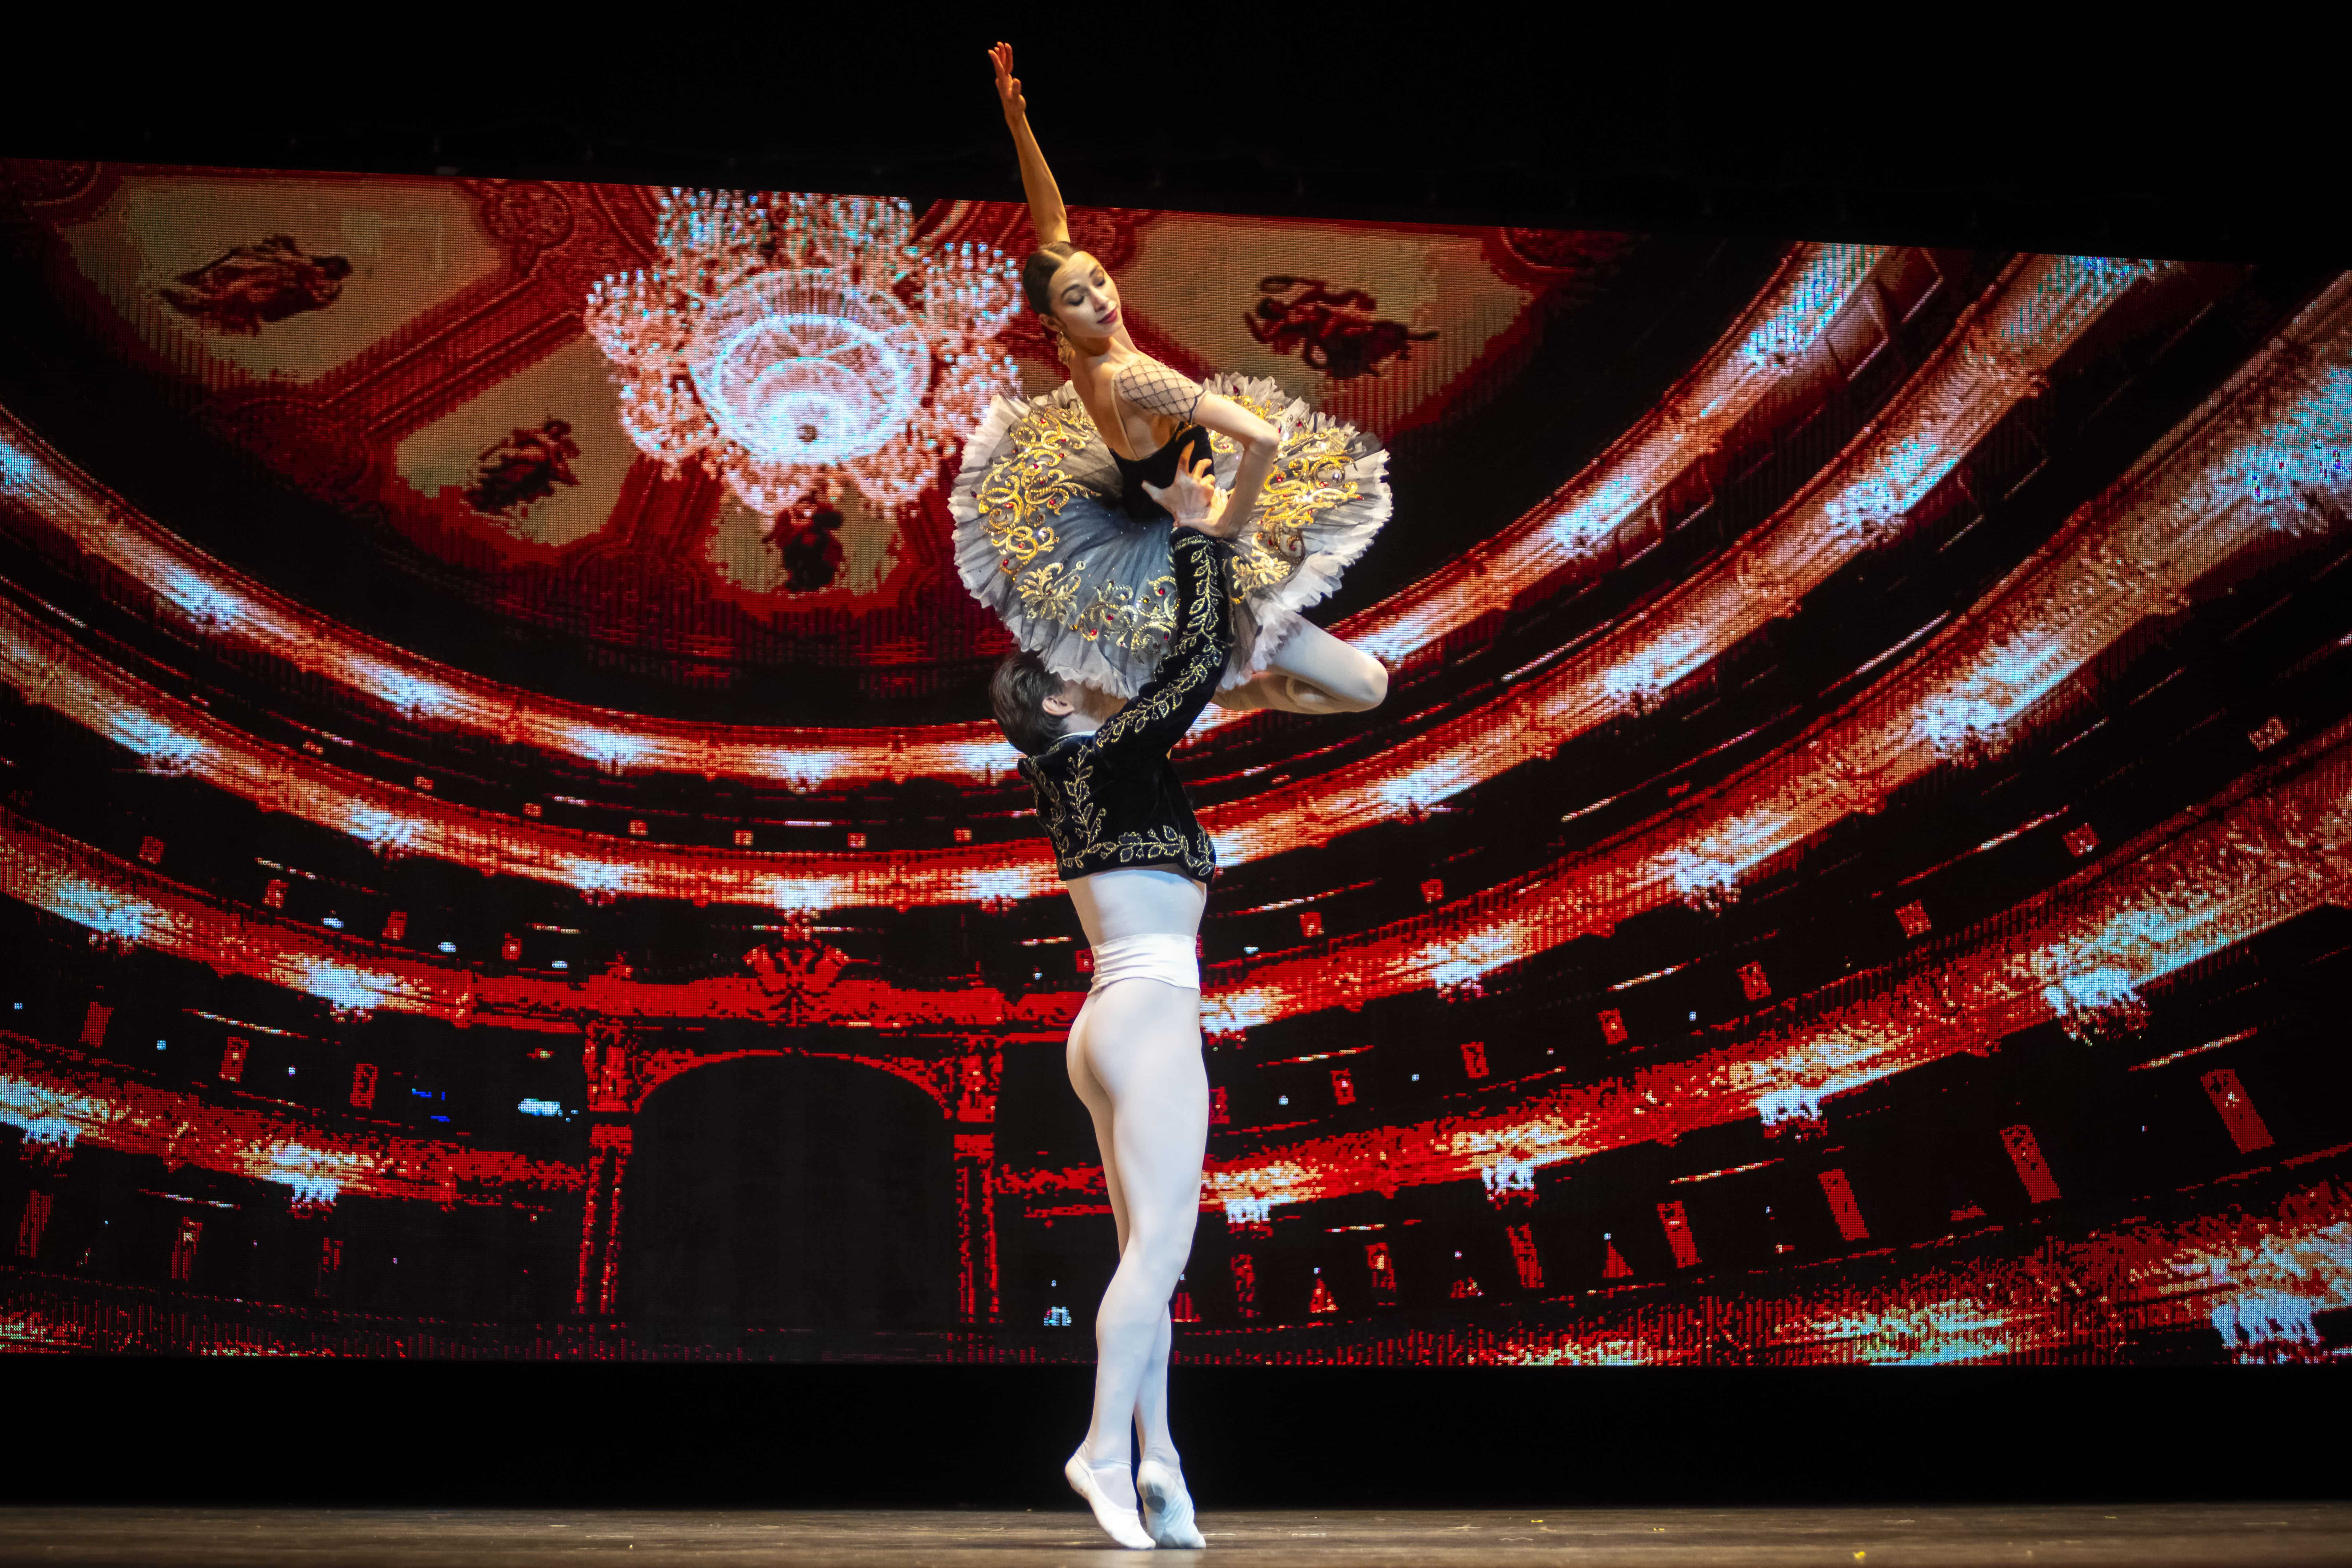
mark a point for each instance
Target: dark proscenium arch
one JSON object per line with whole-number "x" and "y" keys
{"x": 789, "y": 1192}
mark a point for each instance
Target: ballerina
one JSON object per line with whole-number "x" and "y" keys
{"x": 1061, "y": 525}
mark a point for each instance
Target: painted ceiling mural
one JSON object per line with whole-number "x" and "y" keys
{"x": 1852, "y": 867}
{"x": 411, "y": 354}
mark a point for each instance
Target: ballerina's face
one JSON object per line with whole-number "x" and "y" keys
{"x": 1086, "y": 300}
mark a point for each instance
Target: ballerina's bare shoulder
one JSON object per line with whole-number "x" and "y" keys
{"x": 1135, "y": 402}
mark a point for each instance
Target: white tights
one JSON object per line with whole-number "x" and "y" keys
{"x": 1134, "y": 1056}
{"x": 1313, "y": 672}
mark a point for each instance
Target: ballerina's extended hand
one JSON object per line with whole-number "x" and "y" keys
{"x": 1008, "y": 85}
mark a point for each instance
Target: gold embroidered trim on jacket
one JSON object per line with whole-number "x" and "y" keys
{"x": 1074, "y": 821}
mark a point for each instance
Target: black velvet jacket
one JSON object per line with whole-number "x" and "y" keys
{"x": 1111, "y": 798}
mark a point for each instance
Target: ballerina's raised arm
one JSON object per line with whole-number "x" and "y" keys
{"x": 1045, "y": 210}
{"x": 1115, "y": 380}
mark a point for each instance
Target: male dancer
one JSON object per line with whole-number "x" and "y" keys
{"x": 1137, "y": 864}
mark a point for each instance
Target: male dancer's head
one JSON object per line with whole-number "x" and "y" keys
{"x": 1035, "y": 708}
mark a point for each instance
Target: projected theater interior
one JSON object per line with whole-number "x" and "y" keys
{"x": 498, "y": 861}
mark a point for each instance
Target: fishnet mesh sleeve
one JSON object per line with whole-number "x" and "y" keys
{"x": 1148, "y": 384}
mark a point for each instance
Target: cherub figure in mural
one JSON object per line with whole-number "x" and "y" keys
{"x": 1334, "y": 330}
{"x": 1066, "y": 504}
{"x": 523, "y": 468}
{"x": 249, "y": 284}
{"x": 809, "y": 539}
{"x": 1150, "y": 540}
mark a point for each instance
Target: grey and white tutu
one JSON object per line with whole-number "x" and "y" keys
{"x": 1080, "y": 572}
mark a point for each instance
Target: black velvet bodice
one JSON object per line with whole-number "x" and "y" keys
{"x": 1111, "y": 798}
{"x": 1187, "y": 446}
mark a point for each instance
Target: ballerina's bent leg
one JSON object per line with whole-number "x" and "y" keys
{"x": 1313, "y": 672}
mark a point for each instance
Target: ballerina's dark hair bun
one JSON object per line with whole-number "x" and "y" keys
{"x": 1037, "y": 273}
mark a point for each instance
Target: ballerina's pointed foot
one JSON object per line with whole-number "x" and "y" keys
{"x": 1167, "y": 1507}
{"x": 1117, "y": 1520}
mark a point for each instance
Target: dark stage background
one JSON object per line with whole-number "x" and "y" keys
{"x": 1850, "y": 872}
{"x": 449, "y": 1434}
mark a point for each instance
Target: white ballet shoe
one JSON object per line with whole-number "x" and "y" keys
{"x": 1119, "y": 1523}
{"x": 1167, "y": 1507}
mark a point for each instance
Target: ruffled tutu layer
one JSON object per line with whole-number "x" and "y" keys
{"x": 1041, "y": 538}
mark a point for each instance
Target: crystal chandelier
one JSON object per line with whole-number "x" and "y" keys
{"x": 787, "y": 339}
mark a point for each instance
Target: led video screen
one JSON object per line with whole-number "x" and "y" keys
{"x": 505, "y": 855}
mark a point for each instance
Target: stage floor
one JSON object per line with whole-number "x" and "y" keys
{"x": 2168, "y": 1536}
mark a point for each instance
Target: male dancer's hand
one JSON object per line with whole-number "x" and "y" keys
{"x": 1193, "y": 500}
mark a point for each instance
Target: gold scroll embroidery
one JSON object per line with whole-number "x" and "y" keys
{"x": 1051, "y": 592}
{"x": 1072, "y": 812}
{"x": 1029, "y": 481}
{"x": 1309, "y": 480}
{"x": 1126, "y": 619}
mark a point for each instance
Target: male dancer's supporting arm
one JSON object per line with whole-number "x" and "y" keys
{"x": 1157, "y": 716}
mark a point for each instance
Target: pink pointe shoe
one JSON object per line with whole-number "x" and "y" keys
{"x": 1167, "y": 1507}
{"x": 1118, "y": 1521}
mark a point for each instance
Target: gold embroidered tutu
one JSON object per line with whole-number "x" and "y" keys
{"x": 1044, "y": 540}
